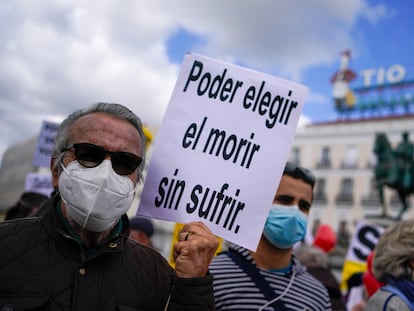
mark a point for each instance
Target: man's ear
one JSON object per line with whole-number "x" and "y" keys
{"x": 55, "y": 172}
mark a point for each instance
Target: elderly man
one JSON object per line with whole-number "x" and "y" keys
{"x": 77, "y": 255}
{"x": 272, "y": 278}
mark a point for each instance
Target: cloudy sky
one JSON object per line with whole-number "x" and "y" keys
{"x": 57, "y": 56}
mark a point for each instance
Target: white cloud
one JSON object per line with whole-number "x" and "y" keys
{"x": 303, "y": 121}
{"x": 56, "y": 56}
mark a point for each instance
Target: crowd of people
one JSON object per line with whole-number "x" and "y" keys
{"x": 78, "y": 250}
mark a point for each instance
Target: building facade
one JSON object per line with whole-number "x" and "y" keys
{"x": 341, "y": 156}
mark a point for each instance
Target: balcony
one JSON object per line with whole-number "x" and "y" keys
{"x": 371, "y": 200}
{"x": 344, "y": 199}
{"x": 324, "y": 164}
{"x": 349, "y": 166}
{"x": 320, "y": 198}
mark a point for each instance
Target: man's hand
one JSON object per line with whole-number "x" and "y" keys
{"x": 194, "y": 250}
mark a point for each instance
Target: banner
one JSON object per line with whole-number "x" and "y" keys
{"x": 45, "y": 144}
{"x": 363, "y": 242}
{"x": 40, "y": 183}
{"x": 221, "y": 149}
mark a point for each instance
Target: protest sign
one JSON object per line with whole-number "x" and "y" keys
{"x": 363, "y": 242}
{"x": 39, "y": 183}
{"x": 221, "y": 149}
{"x": 44, "y": 145}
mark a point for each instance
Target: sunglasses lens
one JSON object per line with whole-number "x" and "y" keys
{"x": 89, "y": 155}
{"x": 125, "y": 163}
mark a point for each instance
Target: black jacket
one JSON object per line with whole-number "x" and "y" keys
{"x": 42, "y": 267}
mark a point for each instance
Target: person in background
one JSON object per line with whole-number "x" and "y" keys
{"x": 315, "y": 258}
{"x": 393, "y": 264}
{"x": 272, "y": 278}
{"x": 28, "y": 205}
{"x": 77, "y": 255}
{"x": 316, "y": 224}
{"x": 361, "y": 286}
{"x": 355, "y": 294}
{"x": 343, "y": 236}
{"x": 142, "y": 230}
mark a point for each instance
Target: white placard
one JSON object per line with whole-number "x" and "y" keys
{"x": 45, "y": 144}
{"x": 40, "y": 183}
{"x": 221, "y": 148}
{"x": 363, "y": 241}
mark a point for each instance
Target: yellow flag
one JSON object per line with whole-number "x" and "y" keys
{"x": 176, "y": 231}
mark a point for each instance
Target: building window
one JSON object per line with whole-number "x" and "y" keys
{"x": 295, "y": 156}
{"x": 320, "y": 191}
{"x": 372, "y": 198}
{"x": 325, "y": 158}
{"x": 372, "y": 161}
{"x": 347, "y": 185}
{"x": 351, "y": 157}
{"x": 345, "y": 195}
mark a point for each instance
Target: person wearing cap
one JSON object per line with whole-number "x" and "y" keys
{"x": 142, "y": 230}
{"x": 272, "y": 278}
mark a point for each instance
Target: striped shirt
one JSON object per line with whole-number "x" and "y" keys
{"x": 235, "y": 290}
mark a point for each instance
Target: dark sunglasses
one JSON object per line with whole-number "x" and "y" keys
{"x": 90, "y": 155}
{"x": 305, "y": 173}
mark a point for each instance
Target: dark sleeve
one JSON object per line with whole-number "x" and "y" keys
{"x": 192, "y": 294}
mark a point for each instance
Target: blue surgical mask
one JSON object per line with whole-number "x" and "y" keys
{"x": 285, "y": 226}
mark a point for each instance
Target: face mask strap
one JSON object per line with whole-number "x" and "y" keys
{"x": 64, "y": 168}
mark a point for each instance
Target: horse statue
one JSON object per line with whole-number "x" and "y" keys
{"x": 395, "y": 169}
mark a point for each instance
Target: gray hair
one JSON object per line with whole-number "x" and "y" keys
{"x": 116, "y": 110}
{"x": 311, "y": 256}
{"x": 394, "y": 251}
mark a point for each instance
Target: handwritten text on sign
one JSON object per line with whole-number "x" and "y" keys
{"x": 221, "y": 149}
{"x": 45, "y": 142}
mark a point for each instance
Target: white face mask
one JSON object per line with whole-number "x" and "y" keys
{"x": 97, "y": 197}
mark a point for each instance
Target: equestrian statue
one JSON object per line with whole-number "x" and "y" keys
{"x": 395, "y": 169}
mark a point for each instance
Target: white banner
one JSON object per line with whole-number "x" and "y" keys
{"x": 40, "y": 183}
{"x": 45, "y": 144}
{"x": 221, "y": 149}
{"x": 365, "y": 238}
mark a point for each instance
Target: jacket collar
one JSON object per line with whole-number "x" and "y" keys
{"x": 55, "y": 223}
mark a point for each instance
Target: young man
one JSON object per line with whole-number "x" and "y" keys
{"x": 272, "y": 278}
{"x": 77, "y": 255}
